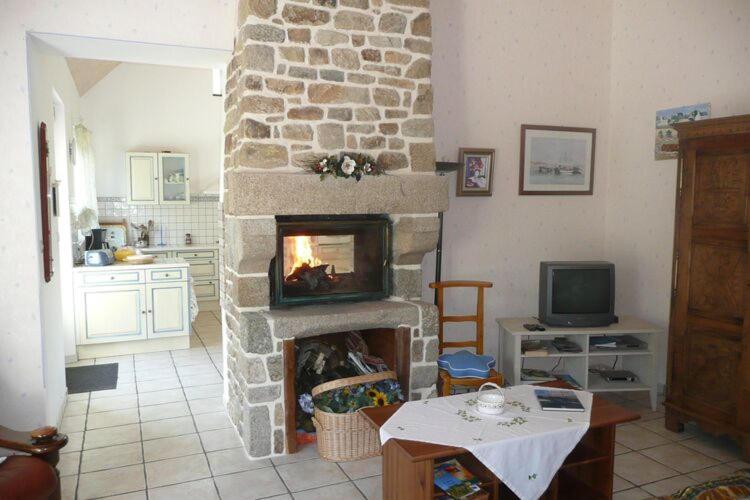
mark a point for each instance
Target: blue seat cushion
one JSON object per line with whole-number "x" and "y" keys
{"x": 466, "y": 364}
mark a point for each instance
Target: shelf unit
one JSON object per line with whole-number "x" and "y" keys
{"x": 642, "y": 362}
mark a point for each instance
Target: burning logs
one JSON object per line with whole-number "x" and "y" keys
{"x": 315, "y": 277}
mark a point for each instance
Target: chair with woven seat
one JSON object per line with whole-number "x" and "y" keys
{"x": 446, "y": 381}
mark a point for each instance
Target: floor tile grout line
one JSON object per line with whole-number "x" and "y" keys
{"x": 83, "y": 443}
{"x": 140, "y": 432}
{"x": 195, "y": 426}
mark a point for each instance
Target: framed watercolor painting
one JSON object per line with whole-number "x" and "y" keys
{"x": 556, "y": 160}
{"x": 475, "y": 170}
{"x": 667, "y": 144}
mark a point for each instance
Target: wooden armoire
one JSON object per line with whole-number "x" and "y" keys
{"x": 708, "y": 379}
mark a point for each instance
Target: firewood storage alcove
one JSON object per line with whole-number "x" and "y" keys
{"x": 323, "y": 259}
{"x": 392, "y": 345}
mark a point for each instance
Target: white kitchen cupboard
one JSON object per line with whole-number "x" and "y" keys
{"x": 174, "y": 179}
{"x": 111, "y": 314}
{"x": 143, "y": 178}
{"x": 119, "y": 303}
{"x": 166, "y": 309}
{"x": 158, "y": 178}
{"x": 204, "y": 267}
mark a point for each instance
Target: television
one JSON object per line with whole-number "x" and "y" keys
{"x": 577, "y": 293}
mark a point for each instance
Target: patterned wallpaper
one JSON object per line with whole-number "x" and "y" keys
{"x": 700, "y": 55}
{"x": 608, "y": 65}
{"x": 497, "y": 65}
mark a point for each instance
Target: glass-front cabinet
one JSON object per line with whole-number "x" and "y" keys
{"x": 158, "y": 178}
{"x": 174, "y": 178}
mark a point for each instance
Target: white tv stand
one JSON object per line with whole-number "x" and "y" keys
{"x": 642, "y": 362}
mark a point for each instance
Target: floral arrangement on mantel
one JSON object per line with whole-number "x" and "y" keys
{"x": 356, "y": 166}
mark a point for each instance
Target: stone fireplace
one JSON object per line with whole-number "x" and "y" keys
{"x": 310, "y": 79}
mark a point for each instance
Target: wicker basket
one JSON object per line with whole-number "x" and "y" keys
{"x": 346, "y": 436}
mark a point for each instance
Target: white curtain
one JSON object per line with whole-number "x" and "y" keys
{"x": 85, "y": 213}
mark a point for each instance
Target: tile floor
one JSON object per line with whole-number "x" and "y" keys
{"x": 163, "y": 434}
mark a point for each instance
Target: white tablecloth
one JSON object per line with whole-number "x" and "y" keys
{"x": 524, "y": 447}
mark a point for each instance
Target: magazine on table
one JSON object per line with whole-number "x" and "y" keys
{"x": 455, "y": 480}
{"x": 558, "y": 400}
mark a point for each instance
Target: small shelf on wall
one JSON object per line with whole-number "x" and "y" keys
{"x": 446, "y": 166}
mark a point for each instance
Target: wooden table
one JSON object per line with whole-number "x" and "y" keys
{"x": 586, "y": 473}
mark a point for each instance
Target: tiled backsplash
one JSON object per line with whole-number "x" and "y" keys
{"x": 200, "y": 218}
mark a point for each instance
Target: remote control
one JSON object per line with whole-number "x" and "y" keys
{"x": 534, "y": 327}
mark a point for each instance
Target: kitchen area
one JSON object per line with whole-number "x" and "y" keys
{"x": 147, "y": 252}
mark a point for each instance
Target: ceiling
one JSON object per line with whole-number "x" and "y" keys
{"x": 88, "y": 72}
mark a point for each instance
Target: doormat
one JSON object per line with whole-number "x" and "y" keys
{"x": 91, "y": 378}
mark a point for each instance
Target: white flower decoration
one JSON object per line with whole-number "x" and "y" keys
{"x": 368, "y": 168}
{"x": 347, "y": 166}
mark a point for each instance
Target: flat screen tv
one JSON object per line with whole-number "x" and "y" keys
{"x": 577, "y": 293}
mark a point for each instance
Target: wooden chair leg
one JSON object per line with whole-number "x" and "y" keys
{"x": 446, "y": 387}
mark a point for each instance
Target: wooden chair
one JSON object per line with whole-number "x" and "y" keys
{"x": 447, "y": 382}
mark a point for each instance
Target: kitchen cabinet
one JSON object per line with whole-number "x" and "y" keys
{"x": 204, "y": 267}
{"x": 143, "y": 174}
{"x": 111, "y": 313}
{"x": 125, "y": 302}
{"x": 166, "y": 311}
{"x": 158, "y": 178}
{"x": 174, "y": 179}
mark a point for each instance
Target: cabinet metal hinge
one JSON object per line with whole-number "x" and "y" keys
{"x": 675, "y": 273}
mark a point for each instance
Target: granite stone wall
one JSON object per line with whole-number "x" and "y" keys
{"x": 311, "y": 78}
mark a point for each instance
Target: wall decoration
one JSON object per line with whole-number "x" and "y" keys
{"x": 556, "y": 160}
{"x": 475, "y": 168}
{"x": 44, "y": 195}
{"x": 357, "y": 167}
{"x": 666, "y": 136}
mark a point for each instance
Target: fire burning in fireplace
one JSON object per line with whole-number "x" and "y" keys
{"x": 327, "y": 258}
{"x": 302, "y": 265}
{"x": 302, "y": 253}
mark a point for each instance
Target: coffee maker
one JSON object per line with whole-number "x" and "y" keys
{"x": 97, "y": 249}
{"x": 97, "y": 240}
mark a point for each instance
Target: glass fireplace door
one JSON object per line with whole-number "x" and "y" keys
{"x": 330, "y": 259}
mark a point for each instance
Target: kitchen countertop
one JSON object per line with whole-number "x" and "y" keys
{"x": 178, "y": 248}
{"x": 121, "y": 266}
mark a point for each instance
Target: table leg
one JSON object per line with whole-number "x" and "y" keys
{"x": 404, "y": 479}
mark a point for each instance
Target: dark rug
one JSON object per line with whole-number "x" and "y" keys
{"x": 91, "y": 378}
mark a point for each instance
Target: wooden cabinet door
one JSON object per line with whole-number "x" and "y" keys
{"x": 111, "y": 313}
{"x": 710, "y": 317}
{"x": 168, "y": 313}
{"x": 142, "y": 170}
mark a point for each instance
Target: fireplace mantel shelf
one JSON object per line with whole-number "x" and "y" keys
{"x": 254, "y": 193}
{"x": 307, "y": 321}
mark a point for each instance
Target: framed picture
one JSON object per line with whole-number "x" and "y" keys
{"x": 556, "y": 160}
{"x": 475, "y": 172}
{"x": 666, "y": 145}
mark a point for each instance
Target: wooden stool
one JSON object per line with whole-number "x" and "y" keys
{"x": 447, "y": 382}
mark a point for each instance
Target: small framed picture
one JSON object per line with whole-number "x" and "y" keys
{"x": 556, "y": 160}
{"x": 475, "y": 172}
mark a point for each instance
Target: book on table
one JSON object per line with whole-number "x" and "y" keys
{"x": 455, "y": 480}
{"x": 558, "y": 400}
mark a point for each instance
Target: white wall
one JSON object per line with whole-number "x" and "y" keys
{"x": 207, "y": 23}
{"x": 142, "y": 107}
{"x": 49, "y": 74}
{"x": 497, "y": 65}
{"x": 664, "y": 54}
